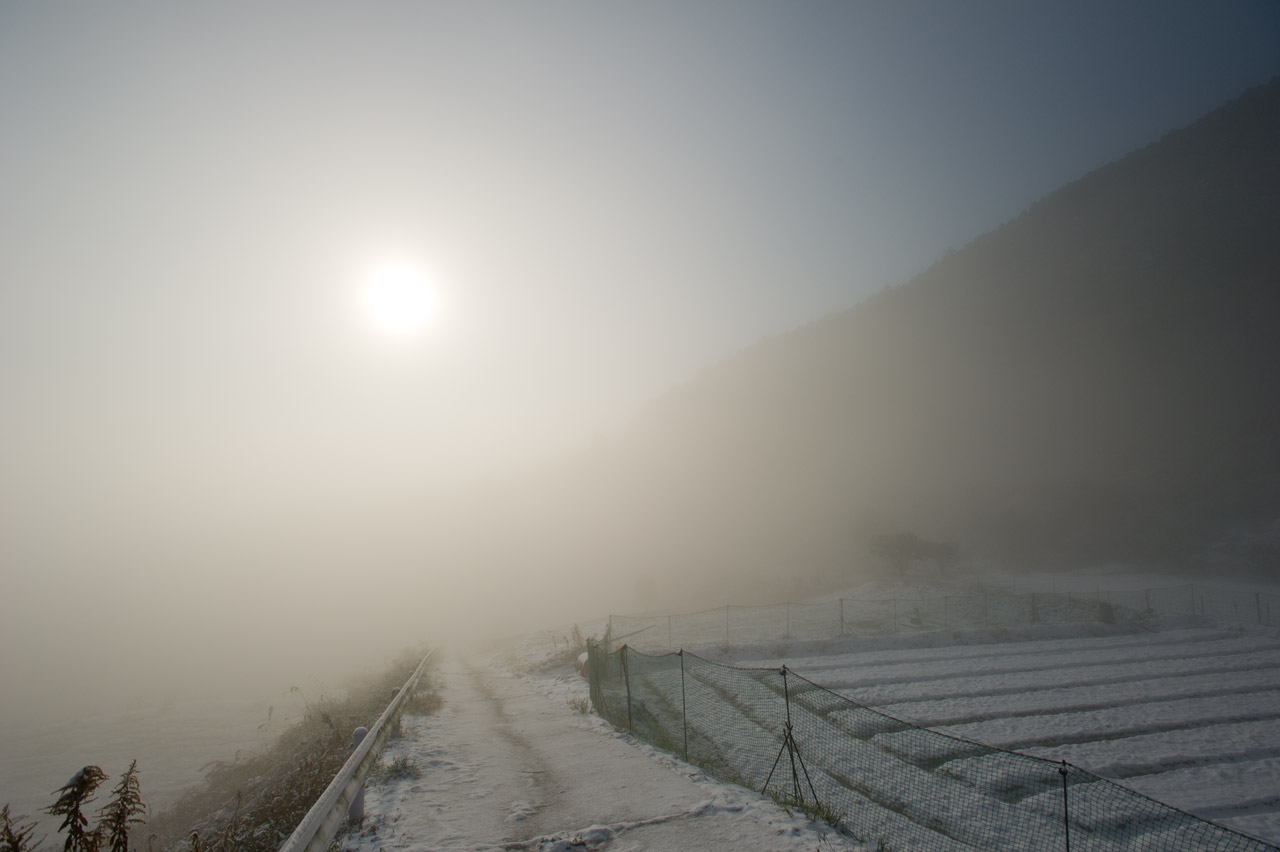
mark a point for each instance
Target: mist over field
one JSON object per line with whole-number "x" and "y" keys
{"x": 717, "y": 295}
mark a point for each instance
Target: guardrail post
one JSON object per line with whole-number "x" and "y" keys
{"x": 395, "y": 728}
{"x": 356, "y": 812}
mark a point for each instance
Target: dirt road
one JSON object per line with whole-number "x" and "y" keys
{"x": 508, "y": 764}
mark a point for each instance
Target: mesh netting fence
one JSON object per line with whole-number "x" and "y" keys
{"x": 880, "y": 779}
{"x": 852, "y": 617}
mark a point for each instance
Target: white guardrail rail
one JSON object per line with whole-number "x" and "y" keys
{"x": 318, "y": 827}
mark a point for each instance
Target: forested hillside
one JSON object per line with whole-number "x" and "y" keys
{"x": 1094, "y": 382}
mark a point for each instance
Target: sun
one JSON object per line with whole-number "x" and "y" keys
{"x": 399, "y": 298}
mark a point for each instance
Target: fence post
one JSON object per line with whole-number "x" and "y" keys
{"x": 787, "y": 635}
{"x": 593, "y": 675}
{"x": 668, "y": 631}
{"x": 626, "y": 677}
{"x": 786, "y": 700}
{"x": 684, "y": 708}
{"x": 726, "y": 624}
{"x": 1066, "y": 814}
{"x": 842, "y": 616}
{"x": 944, "y": 612}
{"x": 793, "y": 753}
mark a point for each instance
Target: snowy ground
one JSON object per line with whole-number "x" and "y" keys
{"x": 1188, "y": 714}
{"x": 1190, "y": 717}
{"x": 510, "y": 763}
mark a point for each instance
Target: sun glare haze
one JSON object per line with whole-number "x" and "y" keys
{"x": 329, "y": 329}
{"x": 399, "y": 298}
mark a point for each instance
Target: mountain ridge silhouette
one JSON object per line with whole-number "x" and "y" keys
{"x": 1091, "y": 381}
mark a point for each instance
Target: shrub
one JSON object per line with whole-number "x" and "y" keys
{"x": 399, "y": 769}
{"x": 123, "y": 812}
{"x": 251, "y": 804}
{"x": 72, "y": 798}
{"x": 16, "y": 833}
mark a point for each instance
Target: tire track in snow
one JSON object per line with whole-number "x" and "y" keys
{"x": 541, "y": 777}
{"x": 480, "y": 779}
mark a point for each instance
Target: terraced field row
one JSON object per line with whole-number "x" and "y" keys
{"x": 1189, "y": 717}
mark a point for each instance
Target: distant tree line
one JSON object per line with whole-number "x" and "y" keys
{"x": 902, "y": 550}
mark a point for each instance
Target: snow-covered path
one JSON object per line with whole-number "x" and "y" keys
{"x": 508, "y": 764}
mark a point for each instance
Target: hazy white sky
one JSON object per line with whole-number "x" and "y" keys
{"x": 608, "y": 197}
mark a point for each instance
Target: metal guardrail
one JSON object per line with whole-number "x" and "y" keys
{"x": 318, "y": 827}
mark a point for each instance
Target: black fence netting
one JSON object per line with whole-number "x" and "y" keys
{"x": 882, "y": 780}
{"x": 992, "y": 609}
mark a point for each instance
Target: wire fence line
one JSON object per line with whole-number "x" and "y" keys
{"x": 857, "y": 617}
{"x": 882, "y": 780}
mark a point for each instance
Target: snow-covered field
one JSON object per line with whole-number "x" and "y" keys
{"x": 1185, "y": 712}
{"x": 1188, "y": 716}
